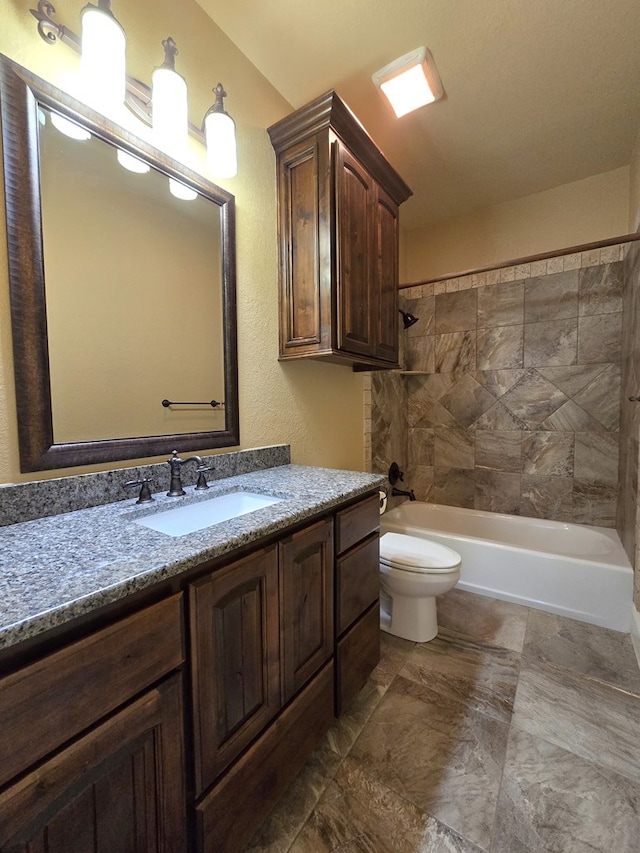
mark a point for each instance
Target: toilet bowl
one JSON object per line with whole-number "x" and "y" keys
{"x": 413, "y": 571}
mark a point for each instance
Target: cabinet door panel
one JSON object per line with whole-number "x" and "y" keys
{"x": 385, "y": 289}
{"x": 355, "y": 193}
{"x": 306, "y": 580}
{"x": 118, "y": 789}
{"x": 235, "y": 659}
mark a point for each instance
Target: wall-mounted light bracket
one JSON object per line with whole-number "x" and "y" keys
{"x": 138, "y": 94}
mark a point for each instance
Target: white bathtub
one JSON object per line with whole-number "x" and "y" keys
{"x": 571, "y": 569}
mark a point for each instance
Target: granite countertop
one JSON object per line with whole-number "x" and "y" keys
{"x": 57, "y": 568}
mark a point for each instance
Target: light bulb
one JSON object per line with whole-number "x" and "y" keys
{"x": 103, "y": 64}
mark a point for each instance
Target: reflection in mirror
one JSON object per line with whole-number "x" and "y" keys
{"x": 126, "y": 297}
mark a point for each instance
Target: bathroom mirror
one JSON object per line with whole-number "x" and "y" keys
{"x": 122, "y": 294}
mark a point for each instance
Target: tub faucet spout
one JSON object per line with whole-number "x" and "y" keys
{"x": 396, "y": 493}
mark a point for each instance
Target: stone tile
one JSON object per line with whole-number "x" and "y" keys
{"x": 551, "y": 297}
{"x": 573, "y": 378}
{"x": 553, "y": 342}
{"x": 533, "y": 399}
{"x": 452, "y": 770}
{"x": 467, "y": 400}
{"x": 426, "y": 413}
{"x": 419, "y": 353}
{"x": 601, "y": 397}
{"x": 421, "y": 479}
{"x": 424, "y": 309}
{"x": 499, "y": 450}
{"x": 501, "y": 305}
{"x": 453, "y": 448}
{"x": 294, "y": 807}
{"x": 430, "y": 387}
{"x": 548, "y": 453}
{"x": 455, "y": 352}
{"x": 546, "y": 496}
{"x": 456, "y": 312}
{"x": 595, "y": 502}
{"x": 358, "y": 813}
{"x": 497, "y": 492}
{"x": 596, "y": 456}
{"x": 479, "y": 677}
{"x": 594, "y": 652}
{"x": 498, "y": 382}
{"x": 487, "y": 621}
{"x": 570, "y": 417}
{"x": 599, "y": 338}
{"x": 500, "y": 348}
{"x": 601, "y": 289}
{"x": 500, "y": 418}
{"x": 591, "y": 719}
{"x": 453, "y": 486}
{"x": 420, "y": 446}
{"x": 552, "y": 801}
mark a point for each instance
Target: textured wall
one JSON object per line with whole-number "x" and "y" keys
{"x": 316, "y": 408}
{"x": 585, "y": 211}
{"x": 512, "y": 395}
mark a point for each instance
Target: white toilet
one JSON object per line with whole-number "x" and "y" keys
{"x": 412, "y": 572}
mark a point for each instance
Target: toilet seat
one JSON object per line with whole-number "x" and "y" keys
{"x": 415, "y": 554}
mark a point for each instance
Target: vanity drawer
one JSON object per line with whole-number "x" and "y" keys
{"x": 51, "y": 701}
{"x": 357, "y": 522}
{"x": 357, "y": 654}
{"x": 254, "y": 783}
{"x": 358, "y": 581}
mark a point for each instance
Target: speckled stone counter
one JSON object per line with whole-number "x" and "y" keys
{"x": 55, "y": 569}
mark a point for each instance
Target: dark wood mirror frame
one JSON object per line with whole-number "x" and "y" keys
{"x": 20, "y": 94}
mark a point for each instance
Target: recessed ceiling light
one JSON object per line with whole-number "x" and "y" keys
{"x": 410, "y": 81}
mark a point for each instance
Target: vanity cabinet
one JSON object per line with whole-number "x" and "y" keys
{"x": 338, "y": 200}
{"x": 357, "y": 600}
{"x": 306, "y": 584}
{"x": 235, "y": 659}
{"x": 94, "y": 768}
{"x": 280, "y": 634}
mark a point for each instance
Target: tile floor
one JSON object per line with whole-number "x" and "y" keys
{"x": 514, "y": 731}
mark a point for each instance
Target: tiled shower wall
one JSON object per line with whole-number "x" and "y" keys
{"x": 511, "y": 398}
{"x": 628, "y": 514}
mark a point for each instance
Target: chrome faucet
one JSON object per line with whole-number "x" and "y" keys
{"x": 175, "y": 464}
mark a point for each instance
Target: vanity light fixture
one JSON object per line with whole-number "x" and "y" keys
{"x": 164, "y": 106}
{"x": 220, "y": 132}
{"x": 103, "y": 68}
{"x": 410, "y": 82}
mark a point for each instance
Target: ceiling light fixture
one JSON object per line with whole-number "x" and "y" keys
{"x": 164, "y": 107}
{"x": 410, "y": 82}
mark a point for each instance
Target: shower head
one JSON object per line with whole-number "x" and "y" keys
{"x": 407, "y": 318}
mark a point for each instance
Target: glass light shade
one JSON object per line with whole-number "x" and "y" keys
{"x": 220, "y": 133}
{"x": 410, "y": 82}
{"x": 179, "y": 190}
{"x": 132, "y": 163}
{"x": 169, "y": 112}
{"x": 69, "y": 128}
{"x": 103, "y": 65}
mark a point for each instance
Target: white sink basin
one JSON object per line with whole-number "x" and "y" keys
{"x": 197, "y": 516}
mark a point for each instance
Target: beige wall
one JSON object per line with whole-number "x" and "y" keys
{"x": 317, "y": 408}
{"x": 634, "y": 189}
{"x": 570, "y": 215}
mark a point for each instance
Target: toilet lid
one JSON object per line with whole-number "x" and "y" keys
{"x": 415, "y": 554}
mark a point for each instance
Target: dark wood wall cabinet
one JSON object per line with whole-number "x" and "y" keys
{"x": 338, "y": 200}
{"x": 277, "y": 641}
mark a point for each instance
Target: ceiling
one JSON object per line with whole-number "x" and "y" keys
{"x": 537, "y": 94}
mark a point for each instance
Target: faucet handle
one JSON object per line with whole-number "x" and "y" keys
{"x": 145, "y": 495}
{"x": 202, "y": 480}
